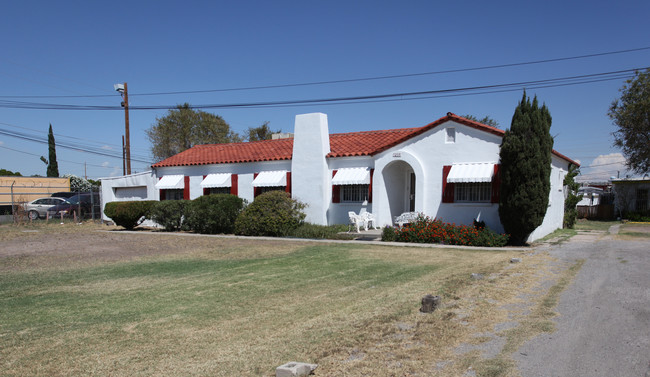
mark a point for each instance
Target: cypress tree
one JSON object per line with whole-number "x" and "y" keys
{"x": 525, "y": 170}
{"x": 53, "y": 166}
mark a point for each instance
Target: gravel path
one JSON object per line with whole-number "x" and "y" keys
{"x": 604, "y": 323}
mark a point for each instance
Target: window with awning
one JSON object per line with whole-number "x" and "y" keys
{"x": 217, "y": 180}
{"x": 271, "y": 179}
{"x": 170, "y": 182}
{"x": 351, "y": 176}
{"x": 352, "y": 185}
{"x": 174, "y": 187}
{"x": 474, "y": 172}
{"x": 471, "y": 183}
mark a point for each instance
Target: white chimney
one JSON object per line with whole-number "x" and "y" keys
{"x": 310, "y": 178}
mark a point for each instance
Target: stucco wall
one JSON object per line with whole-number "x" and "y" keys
{"x": 555, "y": 211}
{"x": 133, "y": 182}
{"x": 245, "y": 172}
{"x": 427, "y": 154}
{"x": 337, "y": 213}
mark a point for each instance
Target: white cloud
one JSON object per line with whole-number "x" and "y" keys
{"x": 602, "y": 168}
{"x": 105, "y": 164}
{"x": 107, "y": 147}
{"x": 1, "y": 142}
{"x": 116, "y": 171}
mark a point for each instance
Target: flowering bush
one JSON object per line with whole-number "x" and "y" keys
{"x": 428, "y": 230}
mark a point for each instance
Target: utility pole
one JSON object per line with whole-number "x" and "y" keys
{"x": 124, "y": 91}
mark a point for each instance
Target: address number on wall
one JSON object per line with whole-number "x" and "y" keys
{"x": 397, "y": 154}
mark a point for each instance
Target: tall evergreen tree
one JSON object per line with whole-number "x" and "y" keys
{"x": 525, "y": 170}
{"x": 53, "y": 166}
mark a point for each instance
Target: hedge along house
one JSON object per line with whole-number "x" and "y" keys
{"x": 447, "y": 169}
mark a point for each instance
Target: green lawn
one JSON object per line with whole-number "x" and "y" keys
{"x": 224, "y": 310}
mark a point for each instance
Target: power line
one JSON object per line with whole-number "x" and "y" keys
{"x": 398, "y": 76}
{"x": 545, "y": 83}
{"x": 59, "y": 135}
{"x": 28, "y": 137}
{"x": 328, "y": 82}
{"x": 605, "y": 164}
{"x": 59, "y": 160}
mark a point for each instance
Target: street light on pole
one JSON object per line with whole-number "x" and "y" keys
{"x": 124, "y": 92}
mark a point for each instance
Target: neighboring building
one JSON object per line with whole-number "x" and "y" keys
{"x": 597, "y": 202}
{"x": 25, "y": 189}
{"x": 448, "y": 169}
{"x": 632, "y": 195}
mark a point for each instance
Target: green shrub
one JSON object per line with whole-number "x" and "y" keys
{"x": 428, "y": 230}
{"x": 330, "y": 232}
{"x": 128, "y": 214}
{"x": 638, "y": 216}
{"x": 169, "y": 214}
{"x": 271, "y": 214}
{"x": 389, "y": 234}
{"x": 213, "y": 214}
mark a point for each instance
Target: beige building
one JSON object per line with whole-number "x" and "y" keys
{"x": 25, "y": 189}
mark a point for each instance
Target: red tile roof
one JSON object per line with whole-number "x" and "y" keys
{"x": 365, "y": 143}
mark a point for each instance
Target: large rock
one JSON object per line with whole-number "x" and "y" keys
{"x": 295, "y": 369}
{"x": 429, "y": 303}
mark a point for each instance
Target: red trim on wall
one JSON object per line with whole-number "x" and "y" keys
{"x": 256, "y": 190}
{"x": 447, "y": 188}
{"x": 288, "y": 187}
{"x": 496, "y": 183}
{"x": 162, "y": 192}
{"x": 234, "y": 185}
{"x": 372, "y": 171}
{"x": 336, "y": 190}
{"x": 206, "y": 191}
{"x": 186, "y": 187}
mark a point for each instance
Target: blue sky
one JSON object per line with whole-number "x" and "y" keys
{"x": 82, "y": 48}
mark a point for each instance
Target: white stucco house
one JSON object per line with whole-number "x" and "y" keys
{"x": 447, "y": 169}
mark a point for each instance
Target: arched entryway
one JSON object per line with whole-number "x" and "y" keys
{"x": 400, "y": 182}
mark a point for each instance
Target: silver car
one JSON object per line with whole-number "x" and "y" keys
{"x": 38, "y": 208}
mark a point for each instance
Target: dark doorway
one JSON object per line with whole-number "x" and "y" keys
{"x": 412, "y": 194}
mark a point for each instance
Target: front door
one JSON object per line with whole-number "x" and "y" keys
{"x": 412, "y": 194}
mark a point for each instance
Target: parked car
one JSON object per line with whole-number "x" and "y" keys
{"x": 39, "y": 207}
{"x": 80, "y": 204}
{"x": 64, "y": 194}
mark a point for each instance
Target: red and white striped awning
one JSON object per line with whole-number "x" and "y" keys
{"x": 471, "y": 172}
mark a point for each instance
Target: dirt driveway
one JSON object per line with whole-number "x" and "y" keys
{"x": 604, "y": 324}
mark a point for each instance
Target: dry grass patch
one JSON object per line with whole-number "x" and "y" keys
{"x": 177, "y": 306}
